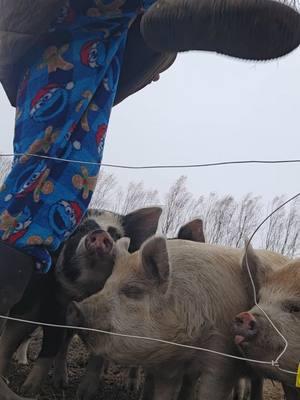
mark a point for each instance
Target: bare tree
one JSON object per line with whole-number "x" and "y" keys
{"x": 290, "y": 240}
{"x": 177, "y": 202}
{"x": 282, "y": 229}
{"x": 275, "y": 225}
{"x": 134, "y": 197}
{"x": 247, "y": 218}
{"x": 104, "y": 191}
{"x": 217, "y": 214}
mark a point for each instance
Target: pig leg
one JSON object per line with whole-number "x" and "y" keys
{"x": 12, "y": 336}
{"x": 148, "y": 388}
{"x": 89, "y": 386}
{"x": 166, "y": 388}
{"x": 220, "y": 385}
{"x": 248, "y": 389}
{"x": 187, "y": 391}
{"x": 291, "y": 393}
{"x": 134, "y": 382}
{"x": 52, "y": 342}
{"x": 219, "y": 376}
{"x": 242, "y": 390}
{"x": 61, "y": 367}
{"x": 257, "y": 386}
{"x": 37, "y": 376}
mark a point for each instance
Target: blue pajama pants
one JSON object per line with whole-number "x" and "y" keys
{"x": 63, "y": 109}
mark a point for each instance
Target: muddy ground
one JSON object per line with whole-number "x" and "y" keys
{"x": 113, "y": 386}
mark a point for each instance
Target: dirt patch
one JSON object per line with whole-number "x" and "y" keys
{"x": 113, "y": 386}
{"x": 273, "y": 391}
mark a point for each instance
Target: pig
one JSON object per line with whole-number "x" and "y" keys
{"x": 278, "y": 292}
{"x": 82, "y": 266}
{"x": 89, "y": 385}
{"x": 177, "y": 291}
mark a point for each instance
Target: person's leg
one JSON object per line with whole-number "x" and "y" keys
{"x": 15, "y": 272}
{"x": 64, "y": 104}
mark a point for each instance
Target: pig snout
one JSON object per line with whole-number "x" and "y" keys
{"x": 245, "y": 327}
{"x": 99, "y": 241}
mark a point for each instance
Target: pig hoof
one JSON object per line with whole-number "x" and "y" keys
{"x": 88, "y": 389}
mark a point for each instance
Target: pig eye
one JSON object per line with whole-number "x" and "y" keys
{"x": 133, "y": 292}
{"x": 114, "y": 233}
{"x": 294, "y": 309}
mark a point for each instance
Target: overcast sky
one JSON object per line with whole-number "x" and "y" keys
{"x": 206, "y": 108}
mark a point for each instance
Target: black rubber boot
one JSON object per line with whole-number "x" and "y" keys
{"x": 16, "y": 269}
{"x": 249, "y": 29}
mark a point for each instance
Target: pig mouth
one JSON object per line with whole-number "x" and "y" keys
{"x": 240, "y": 340}
{"x": 243, "y": 342}
{"x": 243, "y": 339}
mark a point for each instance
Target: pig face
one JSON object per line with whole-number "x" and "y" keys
{"x": 88, "y": 256}
{"x": 86, "y": 260}
{"x": 279, "y": 296}
{"x": 135, "y": 300}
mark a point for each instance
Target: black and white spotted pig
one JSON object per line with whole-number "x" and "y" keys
{"x": 82, "y": 267}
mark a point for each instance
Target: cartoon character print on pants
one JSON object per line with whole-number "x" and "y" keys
{"x": 50, "y": 102}
{"x": 87, "y": 97}
{"x": 53, "y": 59}
{"x": 41, "y": 145}
{"x": 93, "y": 53}
{"x": 31, "y": 181}
{"x": 14, "y": 226}
{"x": 64, "y": 216}
{"x": 43, "y": 200}
{"x": 100, "y": 137}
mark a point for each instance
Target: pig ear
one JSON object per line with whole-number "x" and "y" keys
{"x": 192, "y": 231}
{"x": 140, "y": 225}
{"x": 251, "y": 262}
{"x": 123, "y": 243}
{"x": 75, "y": 315}
{"x": 155, "y": 260}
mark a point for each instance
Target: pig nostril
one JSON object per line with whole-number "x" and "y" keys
{"x": 252, "y": 325}
{"x": 238, "y": 321}
{"x": 107, "y": 242}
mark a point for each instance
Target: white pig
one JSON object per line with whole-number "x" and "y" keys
{"x": 279, "y": 296}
